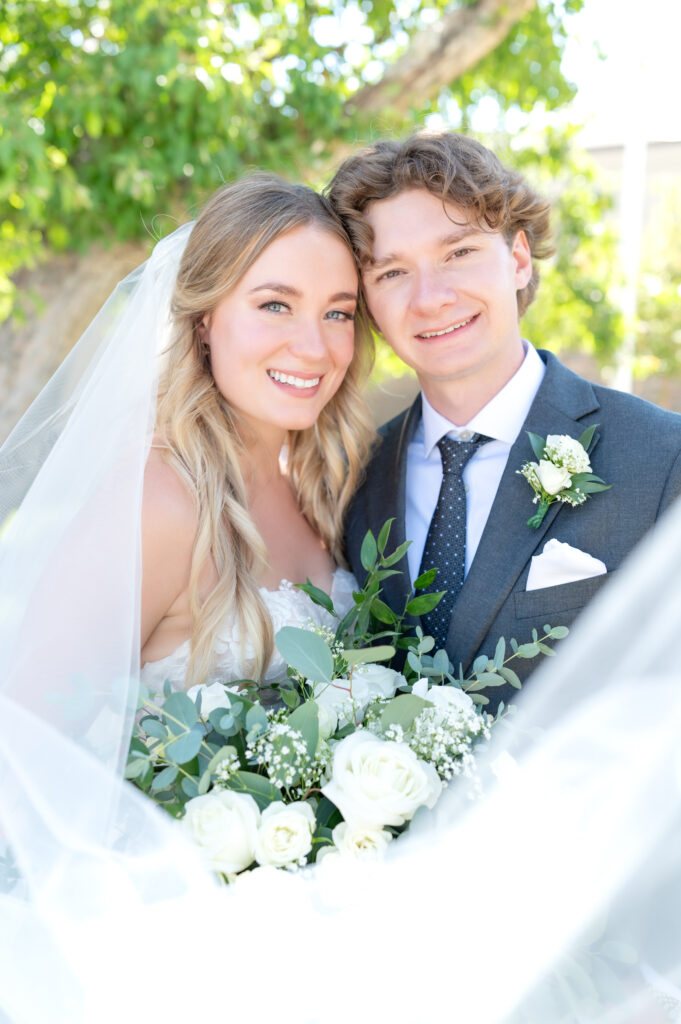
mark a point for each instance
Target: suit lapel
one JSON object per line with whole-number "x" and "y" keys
{"x": 390, "y": 500}
{"x": 507, "y": 543}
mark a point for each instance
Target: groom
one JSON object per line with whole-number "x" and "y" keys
{"x": 447, "y": 239}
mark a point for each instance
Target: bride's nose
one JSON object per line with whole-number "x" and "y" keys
{"x": 308, "y": 341}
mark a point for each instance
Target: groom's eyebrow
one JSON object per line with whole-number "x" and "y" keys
{"x": 452, "y": 238}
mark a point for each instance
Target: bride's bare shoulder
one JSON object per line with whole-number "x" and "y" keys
{"x": 168, "y": 504}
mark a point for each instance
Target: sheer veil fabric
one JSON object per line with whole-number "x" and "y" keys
{"x": 495, "y": 909}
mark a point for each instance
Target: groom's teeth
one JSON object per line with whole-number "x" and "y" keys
{"x": 446, "y": 330}
{"x": 297, "y": 382}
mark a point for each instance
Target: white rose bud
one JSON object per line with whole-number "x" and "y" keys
{"x": 328, "y": 721}
{"x": 553, "y": 478}
{"x": 360, "y": 842}
{"x": 285, "y": 833}
{"x": 377, "y": 782}
{"x": 371, "y": 681}
{"x": 335, "y": 698}
{"x": 446, "y": 698}
{"x": 224, "y": 825}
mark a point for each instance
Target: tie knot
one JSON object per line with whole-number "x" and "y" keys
{"x": 455, "y": 454}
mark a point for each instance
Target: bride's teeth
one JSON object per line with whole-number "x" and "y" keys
{"x": 296, "y": 382}
{"x": 446, "y": 330}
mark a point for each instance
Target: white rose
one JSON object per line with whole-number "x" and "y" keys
{"x": 285, "y": 833}
{"x": 371, "y": 681}
{"x": 212, "y": 696}
{"x": 224, "y": 825}
{"x": 360, "y": 842}
{"x": 377, "y": 782}
{"x": 568, "y": 452}
{"x": 552, "y": 478}
{"x": 446, "y": 698}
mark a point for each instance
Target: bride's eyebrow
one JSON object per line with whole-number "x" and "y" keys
{"x": 275, "y": 286}
{"x": 286, "y": 289}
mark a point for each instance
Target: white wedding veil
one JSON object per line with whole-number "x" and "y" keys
{"x": 554, "y": 897}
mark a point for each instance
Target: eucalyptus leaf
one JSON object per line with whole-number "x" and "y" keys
{"x": 480, "y": 664}
{"x": 185, "y": 747}
{"x": 136, "y": 767}
{"x": 190, "y": 787}
{"x": 256, "y": 718}
{"x": 402, "y": 710}
{"x": 179, "y": 708}
{"x": 306, "y": 652}
{"x": 441, "y": 662}
{"x": 527, "y": 651}
{"x": 510, "y": 676}
{"x": 306, "y": 719}
{"x": 413, "y": 662}
{"x": 164, "y": 778}
{"x": 499, "y": 653}
{"x": 483, "y": 680}
{"x": 153, "y": 727}
{"x": 368, "y": 655}
{"x": 257, "y": 786}
{"x": 558, "y": 632}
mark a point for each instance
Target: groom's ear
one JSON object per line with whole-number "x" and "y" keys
{"x": 522, "y": 256}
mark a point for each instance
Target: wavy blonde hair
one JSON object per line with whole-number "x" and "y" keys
{"x": 204, "y": 437}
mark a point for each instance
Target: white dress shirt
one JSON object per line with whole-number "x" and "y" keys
{"x": 502, "y": 419}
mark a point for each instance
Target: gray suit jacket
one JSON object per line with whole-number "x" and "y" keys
{"x": 636, "y": 449}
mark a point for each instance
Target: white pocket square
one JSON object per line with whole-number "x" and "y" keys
{"x": 561, "y": 563}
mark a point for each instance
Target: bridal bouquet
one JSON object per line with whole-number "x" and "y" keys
{"x": 352, "y": 749}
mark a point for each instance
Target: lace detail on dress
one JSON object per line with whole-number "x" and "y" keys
{"x": 287, "y": 605}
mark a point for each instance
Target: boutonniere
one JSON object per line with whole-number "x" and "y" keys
{"x": 563, "y": 472}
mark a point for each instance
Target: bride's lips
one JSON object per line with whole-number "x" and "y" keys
{"x": 294, "y": 382}
{"x": 448, "y": 330}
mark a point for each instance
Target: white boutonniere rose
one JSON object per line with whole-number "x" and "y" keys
{"x": 562, "y": 472}
{"x": 376, "y": 782}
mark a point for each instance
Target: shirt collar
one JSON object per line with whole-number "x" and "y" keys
{"x": 503, "y": 416}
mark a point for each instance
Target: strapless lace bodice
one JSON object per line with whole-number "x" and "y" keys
{"x": 287, "y": 605}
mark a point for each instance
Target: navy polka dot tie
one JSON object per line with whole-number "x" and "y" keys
{"x": 445, "y": 548}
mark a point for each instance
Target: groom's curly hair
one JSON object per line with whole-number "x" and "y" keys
{"x": 458, "y": 170}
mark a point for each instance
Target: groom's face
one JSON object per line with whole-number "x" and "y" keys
{"x": 442, "y": 291}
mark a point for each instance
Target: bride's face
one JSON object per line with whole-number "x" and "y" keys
{"x": 282, "y": 339}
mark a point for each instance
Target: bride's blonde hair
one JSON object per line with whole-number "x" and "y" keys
{"x": 204, "y": 437}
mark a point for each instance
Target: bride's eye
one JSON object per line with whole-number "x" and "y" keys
{"x": 340, "y": 314}
{"x": 274, "y": 306}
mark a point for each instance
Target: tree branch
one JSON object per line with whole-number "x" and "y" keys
{"x": 440, "y": 54}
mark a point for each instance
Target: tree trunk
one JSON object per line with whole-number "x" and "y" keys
{"x": 440, "y": 54}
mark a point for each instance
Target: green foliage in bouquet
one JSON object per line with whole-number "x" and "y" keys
{"x": 349, "y": 750}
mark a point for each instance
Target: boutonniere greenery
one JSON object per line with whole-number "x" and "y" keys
{"x": 562, "y": 472}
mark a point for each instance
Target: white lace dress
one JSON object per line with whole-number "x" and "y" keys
{"x": 287, "y": 605}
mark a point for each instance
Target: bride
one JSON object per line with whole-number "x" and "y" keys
{"x": 105, "y": 911}
{"x": 263, "y": 356}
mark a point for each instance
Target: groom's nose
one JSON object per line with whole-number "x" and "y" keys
{"x": 431, "y": 290}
